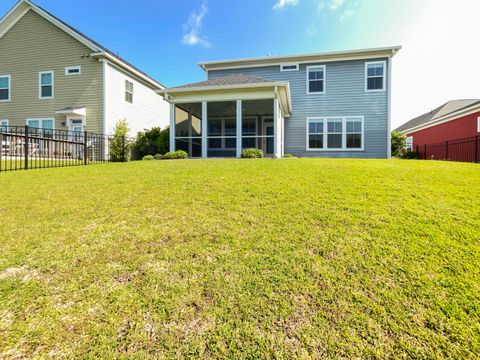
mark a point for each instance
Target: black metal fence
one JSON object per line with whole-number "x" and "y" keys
{"x": 462, "y": 150}
{"x": 24, "y": 148}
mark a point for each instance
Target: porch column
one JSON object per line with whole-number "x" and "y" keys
{"x": 239, "y": 128}
{"x": 204, "y": 129}
{"x": 277, "y": 141}
{"x": 172, "y": 126}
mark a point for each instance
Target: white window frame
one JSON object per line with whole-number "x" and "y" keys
{"x": 42, "y": 120}
{"x": 129, "y": 92}
{"x": 9, "y": 87}
{"x": 384, "y": 64}
{"x": 294, "y": 69}
{"x": 324, "y": 67}
{"x": 3, "y": 122}
{"x": 69, "y": 68}
{"x": 40, "y": 97}
{"x": 409, "y": 142}
{"x": 325, "y": 119}
{"x": 478, "y": 124}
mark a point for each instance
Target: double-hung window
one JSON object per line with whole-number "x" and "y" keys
{"x": 375, "y": 76}
{"x": 46, "y": 85}
{"x": 4, "y": 125}
{"x": 5, "y": 85}
{"x": 409, "y": 143}
{"x": 129, "y": 91}
{"x": 335, "y": 133}
{"x": 316, "y": 79}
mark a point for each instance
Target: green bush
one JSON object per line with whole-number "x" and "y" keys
{"x": 151, "y": 142}
{"x": 179, "y": 154}
{"x": 158, "y": 156}
{"x": 147, "y": 157}
{"x": 287, "y": 156}
{"x": 252, "y": 154}
{"x": 119, "y": 144}
{"x": 398, "y": 143}
{"x": 409, "y": 155}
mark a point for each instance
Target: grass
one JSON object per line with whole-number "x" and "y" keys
{"x": 249, "y": 259}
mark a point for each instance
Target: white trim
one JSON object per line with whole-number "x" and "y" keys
{"x": 324, "y": 91}
{"x": 389, "y": 108}
{"x": 371, "y": 53}
{"x": 297, "y": 67}
{"x": 42, "y": 120}
{"x": 9, "y": 77}
{"x": 172, "y": 126}
{"x": 409, "y": 142}
{"x": 69, "y": 68}
{"x": 40, "y": 85}
{"x": 325, "y": 133}
{"x": 478, "y": 124}
{"x": 104, "y": 95}
{"x": 224, "y": 87}
{"x": 203, "y": 132}
{"x": 239, "y": 129}
{"x": 384, "y": 64}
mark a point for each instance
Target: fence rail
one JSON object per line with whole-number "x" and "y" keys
{"x": 24, "y": 148}
{"x": 462, "y": 150}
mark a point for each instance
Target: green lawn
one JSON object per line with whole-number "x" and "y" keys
{"x": 241, "y": 259}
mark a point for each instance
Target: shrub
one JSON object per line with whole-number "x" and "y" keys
{"x": 252, "y": 154}
{"x": 287, "y": 156}
{"x": 398, "y": 143}
{"x": 147, "y": 157}
{"x": 119, "y": 144}
{"x": 409, "y": 155}
{"x": 179, "y": 154}
{"x": 158, "y": 156}
{"x": 151, "y": 142}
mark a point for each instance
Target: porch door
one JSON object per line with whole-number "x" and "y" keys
{"x": 270, "y": 140}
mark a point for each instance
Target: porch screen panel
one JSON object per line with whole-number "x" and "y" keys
{"x": 188, "y": 128}
{"x": 221, "y": 129}
{"x": 258, "y": 125}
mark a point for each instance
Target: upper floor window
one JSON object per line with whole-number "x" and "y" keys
{"x": 289, "y": 67}
{"x": 5, "y": 87}
{"x": 3, "y": 125}
{"x": 375, "y": 76}
{"x": 73, "y": 70}
{"x": 129, "y": 91}
{"x": 316, "y": 79}
{"x": 335, "y": 133}
{"x": 46, "y": 85}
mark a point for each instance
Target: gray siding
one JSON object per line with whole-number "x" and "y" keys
{"x": 345, "y": 96}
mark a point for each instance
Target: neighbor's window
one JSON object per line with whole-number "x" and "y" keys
{"x": 73, "y": 70}
{"x": 129, "y": 91}
{"x": 409, "y": 143}
{"x": 316, "y": 79}
{"x": 289, "y": 67}
{"x": 4, "y": 125}
{"x": 46, "y": 85}
{"x": 335, "y": 133}
{"x": 375, "y": 76}
{"x": 478, "y": 124}
{"x": 5, "y": 87}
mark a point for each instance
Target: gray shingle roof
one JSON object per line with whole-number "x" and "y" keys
{"x": 445, "y": 109}
{"x": 236, "y": 79}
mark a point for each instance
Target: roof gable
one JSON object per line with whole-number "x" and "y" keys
{"x": 236, "y": 79}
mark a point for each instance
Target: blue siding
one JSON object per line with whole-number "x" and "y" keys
{"x": 345, "y": 96}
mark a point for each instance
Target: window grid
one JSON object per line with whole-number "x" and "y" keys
{"x": 316, "y": 79}
{"x": 325, "y": 133}
{"x": 46, "y": 83}
{"x": 5, "y": 85}
{"x": 375, "y": 76}
{"x": 129, "y": 91}
{"x": 73, "y": 70}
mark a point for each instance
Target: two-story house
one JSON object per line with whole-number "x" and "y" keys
{"x": 334, "y": 104}
{"x": 54, "y": 77}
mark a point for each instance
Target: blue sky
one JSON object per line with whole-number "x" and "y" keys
{"x": 166, "y": 39}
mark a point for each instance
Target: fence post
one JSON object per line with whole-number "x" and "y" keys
{"x": 26, "y": 146}
{"x": 85, "y": 148}
{"x": 123, "y": 148}
{"x": 476, "y": 148}
{"x": 446, "y": 150}
{"x": 424, "y": 151}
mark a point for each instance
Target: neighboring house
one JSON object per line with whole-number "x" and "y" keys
{"x": 52, "y": 76}
{"x": 453, "y": 120}
{"x": 333, "y": 104}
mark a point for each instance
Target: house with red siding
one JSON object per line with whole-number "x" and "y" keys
{"x": 449, "y": 131}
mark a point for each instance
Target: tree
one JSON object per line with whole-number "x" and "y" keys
{"x": 398, "y": 143}
{"x": 151, "y": 142}
{"x": 119, "y": 144}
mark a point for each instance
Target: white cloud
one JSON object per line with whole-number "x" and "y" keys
{"x": 193, "y": 26}
{"x": 282, "y": 3}
{"x": 336, "y": 4}
{"x": 346, "y": 14}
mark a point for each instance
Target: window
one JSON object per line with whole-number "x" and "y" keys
{"x": 215, "y": 129}
{"x": 478, "y": 124}
{"x": 335, "y": 133}
{"x": 289, "y": 67}
{"x": 409, "y": 143}
{"x": 3, "y": 125}
{"x": 316, "y": 79}
{"x": 5, "y": 87}
{"x": 375, "y": 76}
{"x": 231, "y": 130}
{"x": 129, "y": 91}
{"x": 46, "y": 85}
{"x": 222, "y": 133}
{"x": 249, "y": 132}
{"x": 73, "y": 70}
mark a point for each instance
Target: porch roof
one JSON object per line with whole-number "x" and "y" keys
{"x": 237, "y": 86}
